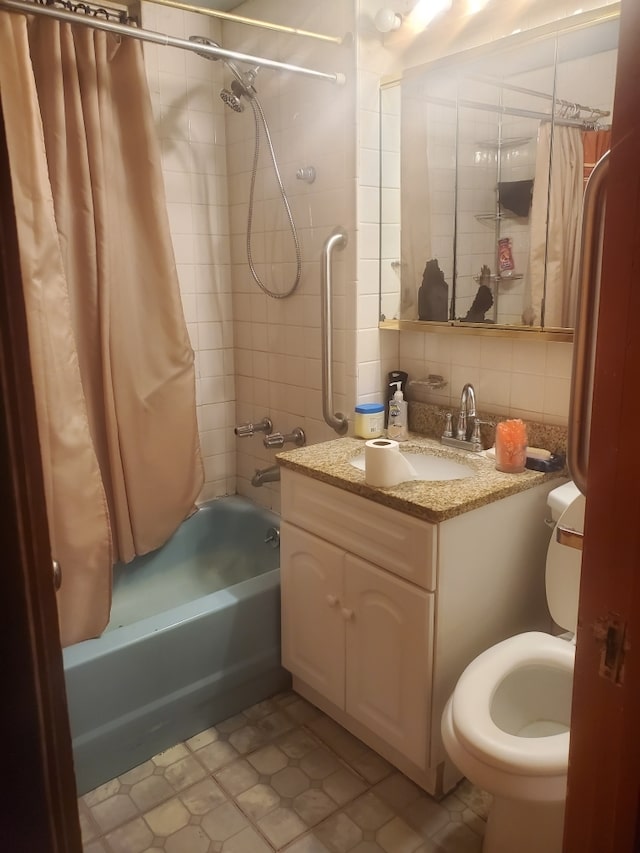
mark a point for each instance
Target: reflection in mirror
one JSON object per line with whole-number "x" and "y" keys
{"x": 483, "y": 168}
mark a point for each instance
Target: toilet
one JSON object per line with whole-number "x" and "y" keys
{"x": 506, "y": 724}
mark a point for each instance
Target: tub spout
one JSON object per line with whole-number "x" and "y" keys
{"x": 266, "y": 475}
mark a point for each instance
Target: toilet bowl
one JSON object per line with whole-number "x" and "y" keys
{"x": 506, "y": 724}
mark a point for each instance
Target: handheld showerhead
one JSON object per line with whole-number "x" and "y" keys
{"x": 232, "y": 100}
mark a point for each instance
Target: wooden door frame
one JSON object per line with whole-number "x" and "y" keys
{"x": 39, "y": 804}
{"x": 39, "y": 798}
{"x": 604, "y": 756}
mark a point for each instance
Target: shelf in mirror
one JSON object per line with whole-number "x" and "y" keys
{"x": 485, "y": 329}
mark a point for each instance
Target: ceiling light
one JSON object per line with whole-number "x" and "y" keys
{"x": 387, "y": 20}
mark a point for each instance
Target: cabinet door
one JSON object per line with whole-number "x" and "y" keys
{"x": 389, "y": 630}
{"x": 312, "y": 621}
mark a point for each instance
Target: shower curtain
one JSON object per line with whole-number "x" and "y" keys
{"x": 554, "y": 256}
{"x": 113, "y": 367}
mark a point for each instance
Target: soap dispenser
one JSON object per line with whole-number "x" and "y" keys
{"x": 397, "y": 429}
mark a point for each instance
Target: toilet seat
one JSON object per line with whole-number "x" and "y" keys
{"x": 472, "y": 699}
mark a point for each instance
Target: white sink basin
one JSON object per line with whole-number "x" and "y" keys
{"x": 428, "y": 467}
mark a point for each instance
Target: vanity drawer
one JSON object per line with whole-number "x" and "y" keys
{"x": 400, "y": 543}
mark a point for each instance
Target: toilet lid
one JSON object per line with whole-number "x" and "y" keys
{"x": 473, "y": 695}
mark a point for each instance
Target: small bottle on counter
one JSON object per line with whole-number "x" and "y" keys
{"x": 369, "y": 420}
{"x": 397, "y": 429}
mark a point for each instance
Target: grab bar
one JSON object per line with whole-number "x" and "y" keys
{"x": 337, "y": 421}
{"x": 584, "y": 338}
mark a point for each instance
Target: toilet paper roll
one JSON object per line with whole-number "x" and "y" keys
{"x": 384, "y": 465}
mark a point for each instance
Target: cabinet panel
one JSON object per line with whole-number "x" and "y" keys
{"x": 404, "y": 545}
{"x": 389, "y": 631}
{"x": 312, "y": 621}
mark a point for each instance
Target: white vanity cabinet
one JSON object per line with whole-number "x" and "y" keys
{"x": 357, "y": 635}
{"x": 382, "y": 611}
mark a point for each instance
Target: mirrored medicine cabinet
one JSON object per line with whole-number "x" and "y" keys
{"x": 484, "y": 159}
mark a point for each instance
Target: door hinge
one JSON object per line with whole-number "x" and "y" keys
{"x": 611, "y": 632}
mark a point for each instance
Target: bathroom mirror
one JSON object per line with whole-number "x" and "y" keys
{"x": 484, "y": 159}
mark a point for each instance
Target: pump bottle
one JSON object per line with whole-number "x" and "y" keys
{"x": 397, "y": 429}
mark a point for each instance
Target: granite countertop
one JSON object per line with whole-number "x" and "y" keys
{"x": 433, "y": 501}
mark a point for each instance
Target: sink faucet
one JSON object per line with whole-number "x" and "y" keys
{"x": 467, "y": 413}
{"x": 467, "y": 436}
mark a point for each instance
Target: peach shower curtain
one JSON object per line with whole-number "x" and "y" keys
{"x": 555, "y": 227}
{"x": 112, "y": 363}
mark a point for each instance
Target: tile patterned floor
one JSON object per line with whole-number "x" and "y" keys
{"x": 279, "y": 776}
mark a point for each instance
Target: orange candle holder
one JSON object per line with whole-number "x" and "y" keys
{"x": 511, "y": 446}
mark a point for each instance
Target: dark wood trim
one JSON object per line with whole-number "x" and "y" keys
{"x": 604, "y": 759}
{"x": 39, "y": 807}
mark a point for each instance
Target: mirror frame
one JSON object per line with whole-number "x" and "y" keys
{"x": 526, "y": 37}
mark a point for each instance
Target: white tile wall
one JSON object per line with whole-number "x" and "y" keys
{"x": 190, "y": 124}
{"x": 256, "y": 356}
{"x": 312, "y": 123}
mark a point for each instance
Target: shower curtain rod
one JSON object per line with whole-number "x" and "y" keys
{"x": 28, "y": 7}
{"x": 515, "y": 111}
{"x": 593, "y": 111}
{"x": 253, "y": 22}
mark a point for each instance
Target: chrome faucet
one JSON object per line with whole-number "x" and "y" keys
{"x": 266, "y": 475}
{"x": 248, "y": 429}
{"x": 467, "y": 413}
{"x": 277, "y": 439}
{"x": 467, "y": 435}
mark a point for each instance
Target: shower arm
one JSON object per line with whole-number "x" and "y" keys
{"x": 27, "y": 7}
{"x": 337, "y": 421}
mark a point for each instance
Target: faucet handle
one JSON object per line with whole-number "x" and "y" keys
{"x": 248, "y": 429}
{"x": 461, "y": 429}
{"x": 448, "y": 425}
{"x": 477, "y": 423}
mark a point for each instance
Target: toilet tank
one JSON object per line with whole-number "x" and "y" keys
{"x": 563, "y": 562}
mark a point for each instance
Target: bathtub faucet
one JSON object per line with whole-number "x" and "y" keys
{"x": 266, "y": 475}
{"x": 245, "y": 430}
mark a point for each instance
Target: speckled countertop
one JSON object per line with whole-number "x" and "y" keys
{"x": 430, "y": 500}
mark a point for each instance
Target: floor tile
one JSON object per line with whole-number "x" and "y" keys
{"x": 339, "y": 833}
{"x": 343, "y": 786}
{"x": 369, "y": 811}
{"x": 184, "y": 773}
{"x": 308, "y": 844}
{"x": 133, "y": 837}
{"x": 458, "y": 838}
{"x": 280, "y": 776}
{"x": 150, "y": 792}
{"x": 94, "y": 847}
{"x": 258, "y": 801}
{"x": 246, "y": 841}
{"x": 168, "y": 818}
{"x": 216, "y": 755}
{"x": 202, "y": 797}
{"x": 398, "y": 837}
{"x": 189, "y": 839}
{"x": 237, "y": 777}
{"x": 223, "y": 822}
{"x": 113, "y": 812}
{"x": 281, "y": 826}
{"x": 313, "y": 805}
